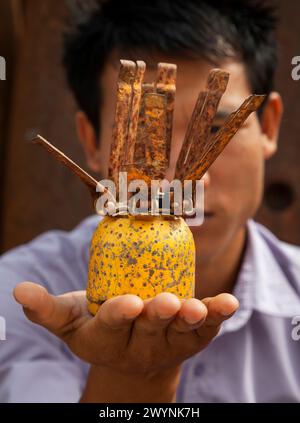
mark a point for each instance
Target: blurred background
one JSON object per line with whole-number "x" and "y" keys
{"x": 37, "y": 194}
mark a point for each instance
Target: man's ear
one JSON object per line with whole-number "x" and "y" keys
{"x": 270, "y": 124}
{"x": 88, "y": 139}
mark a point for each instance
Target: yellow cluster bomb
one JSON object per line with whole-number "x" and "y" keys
{"x": 140, "y": 256}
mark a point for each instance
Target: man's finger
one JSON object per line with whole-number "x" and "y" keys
{"x": 118, "y": 313}
{"x": 190, "y": 317}
{"x": 54, "y": 313}
{"x": 157, "y": 315}
{"x": 219, "y": 309}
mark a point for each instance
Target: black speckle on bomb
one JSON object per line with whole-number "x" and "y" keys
{"x": 132, "y": 260}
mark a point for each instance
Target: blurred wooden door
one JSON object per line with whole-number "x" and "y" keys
{"x": 10, "y": 24}
{"x": 39, "y": 194}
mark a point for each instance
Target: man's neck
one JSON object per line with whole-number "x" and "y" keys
{"x": 219, "y": 274}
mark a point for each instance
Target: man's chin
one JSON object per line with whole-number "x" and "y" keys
{"x": 212, "y": 232}
{"x": 209, "y": 220}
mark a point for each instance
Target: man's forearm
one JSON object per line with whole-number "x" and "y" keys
{"x": 106, "y": 386}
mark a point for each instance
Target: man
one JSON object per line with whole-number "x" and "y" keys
{"x": 161, "y": 350}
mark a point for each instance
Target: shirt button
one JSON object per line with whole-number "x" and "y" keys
{"x": 199, "y": 369}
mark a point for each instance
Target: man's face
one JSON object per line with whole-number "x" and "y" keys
{"x": 234, "y": 183}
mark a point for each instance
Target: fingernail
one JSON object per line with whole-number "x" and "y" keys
{"x": 193, "y": 321}
{"x": 226, "y": 314}
{"x": 166, "y": 317}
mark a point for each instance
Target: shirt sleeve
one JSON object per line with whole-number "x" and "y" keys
{"x": 35, "y": 366}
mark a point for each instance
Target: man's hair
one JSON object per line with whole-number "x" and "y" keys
{"x": 213, "y": 30}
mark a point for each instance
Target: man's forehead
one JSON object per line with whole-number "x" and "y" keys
{"x": 191, "y": 80}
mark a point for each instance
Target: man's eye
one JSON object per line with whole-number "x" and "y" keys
{"x": 214, "y": 129}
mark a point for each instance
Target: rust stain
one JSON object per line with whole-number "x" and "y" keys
{"x": 224, "y": 135}
{"x": 198, "y": 135}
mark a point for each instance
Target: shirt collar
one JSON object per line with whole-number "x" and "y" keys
{"x": 264, "y": 281}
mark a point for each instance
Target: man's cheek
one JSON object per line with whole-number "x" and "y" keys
{"x": 244, "y": 190}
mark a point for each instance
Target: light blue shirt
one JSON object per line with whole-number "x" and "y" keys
{"x": 254, "y": 358}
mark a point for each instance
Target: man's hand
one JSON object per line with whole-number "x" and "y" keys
{"x": 129, "y": 339}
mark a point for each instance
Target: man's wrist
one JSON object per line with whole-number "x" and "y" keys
{"x": 105, "y": 385}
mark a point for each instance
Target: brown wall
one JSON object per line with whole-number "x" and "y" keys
{"x": 281, "y": 208}
{"x": 36, "y": 193}
{"x": 40, "y": 195}
{"x": 8, "y": 51}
